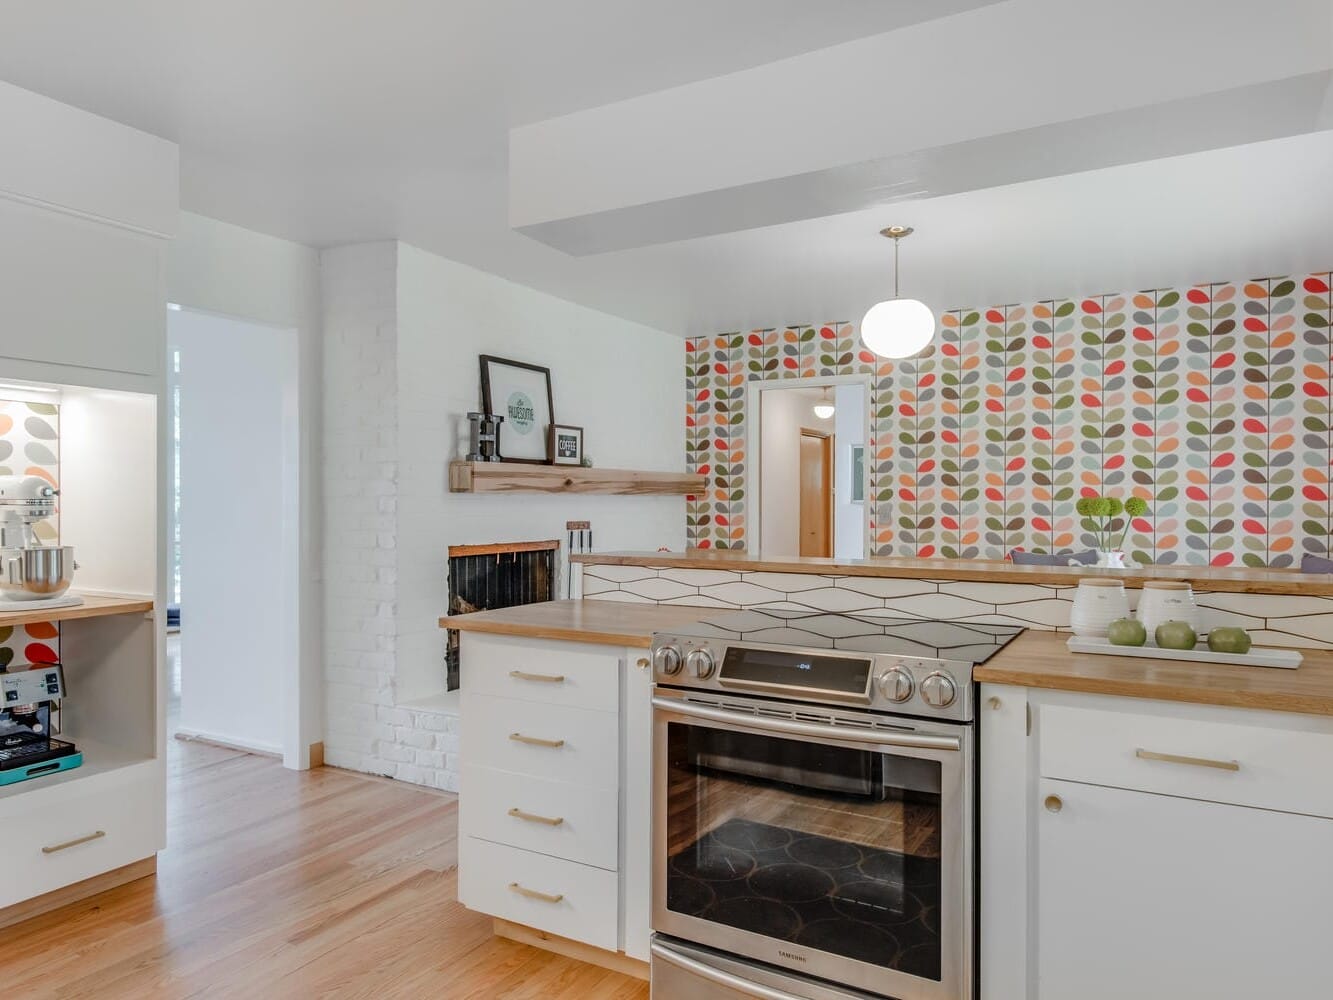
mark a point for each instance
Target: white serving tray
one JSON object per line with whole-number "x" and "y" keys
{"x": 1258, "y": 656}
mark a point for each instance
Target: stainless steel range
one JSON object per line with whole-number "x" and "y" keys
{"x": 814, "y": 807}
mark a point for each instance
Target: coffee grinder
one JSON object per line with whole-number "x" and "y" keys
{"x": 29, "y": 712}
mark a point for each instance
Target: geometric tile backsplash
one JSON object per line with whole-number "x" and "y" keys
{"x": 1271, "y": 619}
{"x": 1214, "y": 402}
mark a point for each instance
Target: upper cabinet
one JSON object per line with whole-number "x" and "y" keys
{"x": 86, "y": 208}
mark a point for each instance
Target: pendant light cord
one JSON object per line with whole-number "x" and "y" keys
{"x": 896, "y": 241}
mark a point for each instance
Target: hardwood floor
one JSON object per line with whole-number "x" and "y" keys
{"x": 284, "y": 884}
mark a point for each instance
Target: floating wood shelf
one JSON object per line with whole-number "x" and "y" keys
{"x": 517, "y": 477}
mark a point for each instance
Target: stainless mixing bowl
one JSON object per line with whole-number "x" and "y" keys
{"x": 34, "y": 574}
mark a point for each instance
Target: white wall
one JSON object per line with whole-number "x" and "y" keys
{"x": 783, "y": 412}
{"x": 404, "y": 331}
{"x": 849, "y": 519}
{"x": 223, "y": 269}
{"x": 239, "y": 527}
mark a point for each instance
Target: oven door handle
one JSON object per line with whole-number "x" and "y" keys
{"x": 922, "y": 741}
{"x": 719, "y": 977}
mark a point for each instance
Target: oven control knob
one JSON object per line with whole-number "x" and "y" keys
{"x": 666, "y": 659}
{"x": 938, "y": 690}
{"x": 896, "y": 684}
{"x": 700, "y": 663}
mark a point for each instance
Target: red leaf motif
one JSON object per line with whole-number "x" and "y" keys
{"x": 993, "y": 494}
{"x": 926, "y": 551}
{"x": 994, "y": 316}
{"x": 1115, "y": 462}
{"x": 1254, "y": 527}
{"x": 1014, "y": 464}
{"x": 1312, "y": 492}
{"x": 906, "y": 495}
{"x": 1315, "y": 389}
{"x": 1195, "y": 493}
{"x": 1254, "y": 324}
{"x": 1090, "y": 306}
{"x": 1115, "y": 368}
{"x": 1142, "y": 333}
{"x": 1143, "y": 430}
{"x": 1224, "y": 360}
{"x": 1316, "y": 285}
{"x": 995, "y": 406}
{"x": 1254, "y": 426}
{"x": 1224, "y": 559}
{"x": 1223, "y": 460}
{"x": 1197, "y": 295}
{"x": 1041, "y": 524}
{"x": 40, "y": 652}
{"x": 1090, "y": 400}
{"x": 1196, "y": 395}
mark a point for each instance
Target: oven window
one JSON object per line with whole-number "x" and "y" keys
{"x": 832, "y": 849}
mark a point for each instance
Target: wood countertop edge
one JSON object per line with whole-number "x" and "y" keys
{"x": 1273, "y": 701}
{"x": 1279, "y": 582}
{"x": 571, "y": 634}
{"x": 94, "y": 606}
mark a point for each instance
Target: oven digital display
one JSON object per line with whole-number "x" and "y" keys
{"x": 777, "y": 668}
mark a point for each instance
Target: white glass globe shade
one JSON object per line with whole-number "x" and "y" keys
{"x": 898, "y": 328}
{"x": 824, "y": 410}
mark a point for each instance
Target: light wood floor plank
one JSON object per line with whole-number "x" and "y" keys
{"x": 282, "y": 884}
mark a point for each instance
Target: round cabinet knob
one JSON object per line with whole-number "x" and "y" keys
{"x": 1054, "y": 804}
{"x": 938, "y": 690}
{"x": 700, "y": 663}
{"x": 667, "y": 659}
{"x": 896, "y": 684}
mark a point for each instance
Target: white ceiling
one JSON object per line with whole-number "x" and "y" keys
{"x": 336, "y": 121}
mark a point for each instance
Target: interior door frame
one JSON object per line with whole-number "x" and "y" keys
{"x": 753, "y": 448}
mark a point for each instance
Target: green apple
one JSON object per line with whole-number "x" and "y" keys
{"x": 1127, "y": 632}
{"x": 1175, "y": 635}
{"x": 1229, "y": 640}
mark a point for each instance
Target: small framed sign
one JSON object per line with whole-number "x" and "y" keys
{"x": 566, "y": 444}
{"x": 858, "y": 464}
{"x": 521, "y": 393}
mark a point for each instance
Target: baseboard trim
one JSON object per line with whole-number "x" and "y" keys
{"x": 77, "y": 892}
{"x": 616, "y": 961}
{"x": 317, "y": 754}
{"x": 193, "y": 736}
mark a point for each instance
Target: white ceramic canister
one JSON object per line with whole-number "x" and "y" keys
{"x": 1097, "y": 603}
{"x": 1167, "y": 601}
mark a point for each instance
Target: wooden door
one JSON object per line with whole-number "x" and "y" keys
{"x": 816, "y": 494}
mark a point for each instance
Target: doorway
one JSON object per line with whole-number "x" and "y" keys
{"x": 235, "y": 544}
{"x": 816, "y": 484}
{"x": 808, "y": 487}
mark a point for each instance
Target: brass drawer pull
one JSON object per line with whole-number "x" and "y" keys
{"x": 1054, "y": 803}
{"x": 544, "y": 897}
{"x": 521, "y": 675}
{"x": 1171, "y": 758}
{"x": 518, "y": 813}
{"x": 57, "y": 848}
{"x": 535, "y": 741}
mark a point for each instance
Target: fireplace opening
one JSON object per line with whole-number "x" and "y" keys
{"x": 487, "y": 577}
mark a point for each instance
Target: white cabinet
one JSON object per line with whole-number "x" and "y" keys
{"x": 1156, "y": 897}
{"x": 1152, "y": 850}
{"x": 554, "y": 797}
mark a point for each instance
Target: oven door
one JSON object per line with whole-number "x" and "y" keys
{"x": 842, "y": 852}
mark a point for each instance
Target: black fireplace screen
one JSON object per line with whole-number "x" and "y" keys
{"x": 483, "y": 578}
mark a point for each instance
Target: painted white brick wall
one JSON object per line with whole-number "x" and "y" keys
{"x": 403, "y": 330}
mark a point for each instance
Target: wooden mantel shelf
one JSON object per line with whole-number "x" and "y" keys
{"x": 518, "y": 477}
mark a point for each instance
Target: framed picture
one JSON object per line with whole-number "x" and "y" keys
{"x": 521, "y": 393}
{"x": 566, "y": 444}
{"x": 858, "y": 464}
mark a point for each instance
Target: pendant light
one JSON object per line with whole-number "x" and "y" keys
{"x": 824, "y": 408}
{"x": 897, "y": 327}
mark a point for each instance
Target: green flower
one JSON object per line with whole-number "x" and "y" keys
{"x": 1136, "y": 506}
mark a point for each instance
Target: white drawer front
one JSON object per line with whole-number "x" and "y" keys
{"x": 86, "y": 828}
{"x": 565, "y": 820}
{"x": 543, "y": 741}
{"x": 1220, "y": 761}
{"x": 550, "y": 894}
{"x": 553, "y": 673}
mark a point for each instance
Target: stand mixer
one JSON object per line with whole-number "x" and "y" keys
{"x": 30, "y": 571}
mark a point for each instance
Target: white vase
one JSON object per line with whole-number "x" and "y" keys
{"x": 1097, "y": 603}
{"x": 1110, "y": 559}
{"x": 1167, "y": 601}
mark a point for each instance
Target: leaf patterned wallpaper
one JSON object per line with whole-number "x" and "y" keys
{"x": 1215, "y": 402}
{"x": 30, "y": 446}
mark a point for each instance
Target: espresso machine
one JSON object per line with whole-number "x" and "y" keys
{"x": 32, "y": 575}
{"x": 30, "y": 699}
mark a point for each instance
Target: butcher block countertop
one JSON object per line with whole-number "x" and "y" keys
{"x": 1213, "y": 579}
{"x": 1041, "y": 660}
{"x": 613, "y": 623}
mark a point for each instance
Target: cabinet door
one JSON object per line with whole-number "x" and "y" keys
{"x": 636, "y": 797}
{"x": 1158, "y": 898}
